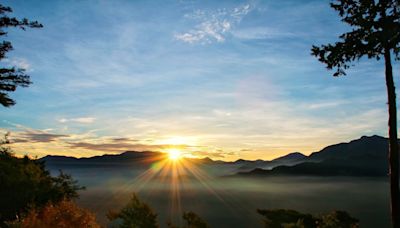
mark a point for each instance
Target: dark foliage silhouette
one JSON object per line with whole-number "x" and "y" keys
{"x": 277, "y": 218}
{"x": 375, "y": 34}
{"x": 136, "y": 214}
{"x": 26, "y": 184}
{"x": 281, "y": 218}
{"x": 193, "y": 220}
{"x": 11, "y": 77}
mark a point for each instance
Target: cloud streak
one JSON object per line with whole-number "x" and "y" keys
{"x": 37, "y": 137}
{"x": 81, "y": 120}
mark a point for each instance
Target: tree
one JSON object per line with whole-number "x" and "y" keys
{"x": 193, "y": 220}
{"x": 11, "y": 77}
{"x": 281, "y": 218}
{"x": 63, "y": 214}
{"x": 338, "y": 219}
{"x": 26, "y": 184}
{"x": 375, "y": 34}
{"x": 135, "y": 214}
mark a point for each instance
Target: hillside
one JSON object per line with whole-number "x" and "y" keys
{"x": 366, "y": 156}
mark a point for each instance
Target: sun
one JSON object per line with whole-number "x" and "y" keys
{"x": 174, "y": 154}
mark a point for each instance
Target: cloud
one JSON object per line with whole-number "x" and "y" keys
{"x": 82, "y": 120}
{"x": 258, "y": 33}
{"x": 121, "y": 144}
{"x": 327, "y": 104}
{"x": 221, "y": 113}
{"x": 213, "y": 154}
{"x": 111, "y": 146}
{"x": 19, "y": 63}
{"x": 213, "y": 25}
{"x": 41, "y": 143}
{"x": 124, "y": 140}
{"x": 37, "y": 137}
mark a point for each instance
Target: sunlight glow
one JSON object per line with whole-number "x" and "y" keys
{"x": 174, "y": 169}
{"x": 174, "y": 154}
{"x": 178, "y": 141}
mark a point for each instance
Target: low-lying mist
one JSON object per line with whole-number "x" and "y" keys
{"x": 228, "y": 201}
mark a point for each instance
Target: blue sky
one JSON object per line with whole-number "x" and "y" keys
{"x": 224, "y": 79}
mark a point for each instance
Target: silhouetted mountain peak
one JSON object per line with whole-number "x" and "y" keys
{"x": 372, "y": 137}
{"x": 291, "y": 156}
{"x": 205, "y": 160}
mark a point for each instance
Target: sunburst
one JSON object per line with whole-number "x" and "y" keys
{"x": 174, "y": 154}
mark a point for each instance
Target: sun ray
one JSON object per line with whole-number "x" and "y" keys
{"x": 174, "y": 154}
{"x": 172, "y": 169}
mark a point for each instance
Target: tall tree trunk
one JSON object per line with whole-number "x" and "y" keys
{"x": 393, "y": 143}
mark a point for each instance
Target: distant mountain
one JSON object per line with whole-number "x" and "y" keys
{"x": 365, "y": 148}
{"x": 289, "y": 159}
{"x": 126, "y": 158}
{"x": 292, "y": 157}
{"x": 366, "y": 156}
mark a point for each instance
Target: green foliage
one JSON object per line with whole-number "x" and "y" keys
{"x": 286, "y": 218}
{"x": 281, "y": 218}
{"x": 11, "y": 77}
{"x": 376, "y": 29}
{"x": 135, "y": 214}
{"x": 25, "y": 183}
{"x": 338, "y": 219}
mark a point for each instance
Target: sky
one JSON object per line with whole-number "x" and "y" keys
{"x": 223, "y": 79}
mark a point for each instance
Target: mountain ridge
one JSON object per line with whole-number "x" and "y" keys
{"x": 366, "y": 156}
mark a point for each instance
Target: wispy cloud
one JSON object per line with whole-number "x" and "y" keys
{"x": 327, "y": 104}
{"x": 213, "y": 25}
{"x": 264, "y": 92}
{"x": 82, "y": 120}
{"x": 217, "y": 154}
{"x": 257, "y": 33}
